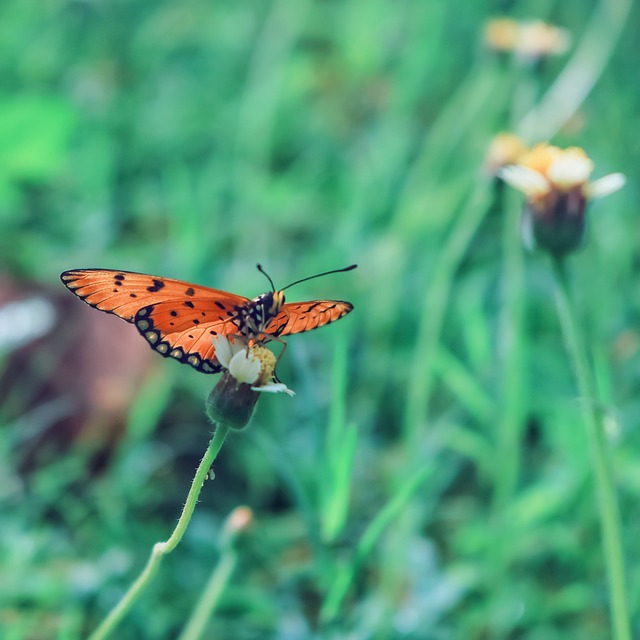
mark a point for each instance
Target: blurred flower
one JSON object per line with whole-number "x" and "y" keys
{"x": 537, "y": 39}
{"x": 239, "y": 520}
{"x": 505, "y": 149}
{"x": 557, "y": 189}
{"x": 501, "y": 34}
{"x": 530, "y": 40}
{"x": 248, "y": 370}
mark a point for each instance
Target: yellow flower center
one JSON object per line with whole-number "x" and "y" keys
{"x": 267, "y": 364}
{"x": 540, "y": 158}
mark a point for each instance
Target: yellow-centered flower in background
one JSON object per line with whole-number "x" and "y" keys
{"x": 529, "y": 40}
{"x": 556, "y": 186}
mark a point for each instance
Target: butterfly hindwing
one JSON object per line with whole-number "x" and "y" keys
{"x": 185, "y": 331}
{"x": 296, "y": 317}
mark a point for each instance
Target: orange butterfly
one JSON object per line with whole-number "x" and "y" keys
{"x": 179, "y": 319}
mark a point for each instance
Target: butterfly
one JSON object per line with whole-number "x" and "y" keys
{"x": 180, "y": 320}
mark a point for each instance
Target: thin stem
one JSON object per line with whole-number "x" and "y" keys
{"x": 162, "y": 548}
{"x": 210, "y": 597}
{"x": 236, "y": 522}
{"x": 511, "y": 409}
{"x": 603, "y": 469}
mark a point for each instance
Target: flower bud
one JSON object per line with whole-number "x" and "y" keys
{"x": 559, "y": 227}
{"x": 231, "y": 402}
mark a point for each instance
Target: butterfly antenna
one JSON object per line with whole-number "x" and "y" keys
{"x": 262, "y": 271}
{"x": 318, "y": 275}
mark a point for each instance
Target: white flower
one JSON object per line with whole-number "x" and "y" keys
{"x": 545, "y": 169}
{"x": 225, "y": 349}
{"x": 557, "y": 192}
{"x": 569, "y": 169}
{"x": 530, "y": 40}
{"x": 537, "y": 39}
{"x": 245, "y": 367}
{"x": 249, "y": 365}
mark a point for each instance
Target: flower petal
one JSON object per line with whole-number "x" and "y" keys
{"x": 223, "y": 350}
{"x": 244, "y": 367}
{"x": 606, "y": 186}
{"x": 530, "y": 182}
{"x": 275, "y": 387}
{"x": 571, "y": 168}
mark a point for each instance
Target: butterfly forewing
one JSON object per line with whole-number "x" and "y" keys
{"x": 296, "y": 317}
{"x": 125, "y": 292}
{"x": 177, "y": 318}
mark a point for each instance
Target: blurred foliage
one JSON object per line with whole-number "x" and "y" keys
{"x": 392, "y": 497}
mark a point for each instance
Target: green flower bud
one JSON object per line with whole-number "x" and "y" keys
{"x": 231, "y": 402}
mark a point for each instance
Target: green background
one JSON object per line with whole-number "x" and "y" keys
{"x": 431, "y": 478}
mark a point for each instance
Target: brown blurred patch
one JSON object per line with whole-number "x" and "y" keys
{"x": 74, "y": 384}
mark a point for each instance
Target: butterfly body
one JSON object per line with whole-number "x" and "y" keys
{"x": 179, "y": 320}
{"x": 255, "y": 316}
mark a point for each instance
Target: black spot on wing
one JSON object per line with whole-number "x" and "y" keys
{"x": 157, "y": 285}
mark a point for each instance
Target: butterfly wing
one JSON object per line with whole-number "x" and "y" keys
{"x": 296, "y": 317}
{"x": 184, "y": 329}
{"x": 178, "y": 319}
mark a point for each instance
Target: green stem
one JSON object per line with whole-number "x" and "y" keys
{"x": 603, "y": 469}
{"x": 218, "y": 580}
{"x": 511, "y": 411}
{"x": 162, "y": 548}
{"x": 210, "y": 597}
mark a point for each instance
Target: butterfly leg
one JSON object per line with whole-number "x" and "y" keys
{"x": 271, "y": 337}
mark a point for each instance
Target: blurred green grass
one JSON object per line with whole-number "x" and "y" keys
{"x": 195, "y": 139}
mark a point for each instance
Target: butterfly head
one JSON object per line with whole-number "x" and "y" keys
{"x": 258, "y": 313}
{"x": 269, "y": 303}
